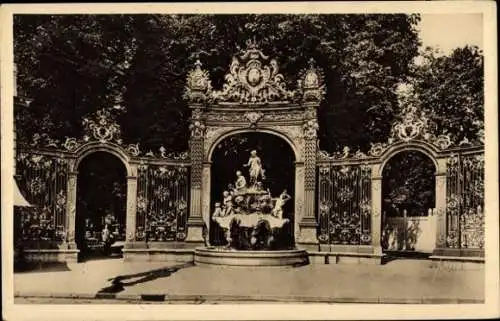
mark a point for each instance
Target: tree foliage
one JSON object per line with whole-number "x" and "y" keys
{"x": 451, "y": 90}
{"x": 72, "y": 65}
{"x": 409, "y": 184}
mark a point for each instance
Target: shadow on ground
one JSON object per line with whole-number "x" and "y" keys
{"x": 118, "y": 284}
{"x": 395, "y": 255}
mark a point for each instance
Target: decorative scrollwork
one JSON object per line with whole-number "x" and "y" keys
{"x": 251, "y": 80}
{"x": 71, "y": 144}
{"x": 44, "y": 140}
{"x": 103, "y": 127}
{"x": 133, "y": 149}
{"x": 253, "y": 117}
{"x": 442, "y": 141}
{"x": 377, "y": 149}
{"x": 411, "y": 125}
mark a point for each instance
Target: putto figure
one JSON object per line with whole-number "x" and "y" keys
{"x": 280, "y": 202}
{"x": 256, "y": 169}
{"x": 241, "y": 182}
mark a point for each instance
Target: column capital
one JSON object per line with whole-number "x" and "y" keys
{"x": 131, "y": 177}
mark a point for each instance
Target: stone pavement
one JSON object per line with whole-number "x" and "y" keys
{"x": 398, "y": 281}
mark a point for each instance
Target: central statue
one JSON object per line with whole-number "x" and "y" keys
{"x": 250, "y": 217}
{"x": 256, "y": 169}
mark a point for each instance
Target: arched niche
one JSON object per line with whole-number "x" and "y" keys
{"x": 101, "y": 193}
{"x": 131, "y": 195}
{"x": 278, "y": 161}
{"x": 293, "y": 143}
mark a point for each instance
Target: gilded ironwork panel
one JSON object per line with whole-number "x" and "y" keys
{"x": 465, "y": 201}
{"x": 162, "y": 203}
{"x": 344, "y": 204}
{"x": 43, "y": 181}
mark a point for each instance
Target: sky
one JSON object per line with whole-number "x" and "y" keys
{"x": 448, "y": 31}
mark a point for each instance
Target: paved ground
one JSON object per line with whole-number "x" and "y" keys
{"x": 399, "y": 281}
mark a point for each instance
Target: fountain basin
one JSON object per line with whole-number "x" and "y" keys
{"x": 229, "y": 257}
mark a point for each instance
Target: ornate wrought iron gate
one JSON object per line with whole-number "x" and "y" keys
{"x": 162, "y": 202}
{"x": 43, "y": 181}
{"x": 344, "y": 205}
{"x": 465, "y": 202}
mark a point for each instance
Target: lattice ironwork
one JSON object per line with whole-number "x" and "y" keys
{"x": 344, "y": 205}
{"x": 162, "y": 202}
{"x": 465, "y": 201}
{"x": 43, "y": 181}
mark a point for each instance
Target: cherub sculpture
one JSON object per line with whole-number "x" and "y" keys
{"x": 241, "y": 182}
{"x": 280, "y": 202}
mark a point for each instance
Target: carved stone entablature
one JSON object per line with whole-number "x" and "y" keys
{"x": 292, "y": 115}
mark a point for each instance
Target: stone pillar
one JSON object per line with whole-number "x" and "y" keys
{"x": 308, "y": 226}
{"x": 131, "y": 217}
{"x": 299, "y": 199}
{"x": 195, "y": 221}
{"x": 376, "y": 219}
{"x": 441, "y": 206}
{"x": 71, "y": 209}
{"x": 205, "y": 188}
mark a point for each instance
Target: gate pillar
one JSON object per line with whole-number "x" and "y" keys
{"x": 441, "y": 206}
{"x": 71, "y": 209}
{"x": 307, "y": 237}
{"x": 195, "y": 223}
{"x": 131, "y": 215}
{"x": 376, "y": 221}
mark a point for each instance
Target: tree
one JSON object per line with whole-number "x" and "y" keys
{"x": 451, "y": 90}
{"x": 70, "y": 66}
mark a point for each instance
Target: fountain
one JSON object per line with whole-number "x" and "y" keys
{"x": 253, "y": 222}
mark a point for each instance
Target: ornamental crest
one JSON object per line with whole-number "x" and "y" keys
{"x": 253, "y": 79}
{"x": 102, "y": 127}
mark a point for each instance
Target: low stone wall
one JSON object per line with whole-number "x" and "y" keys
{"x": 50, "y": 255}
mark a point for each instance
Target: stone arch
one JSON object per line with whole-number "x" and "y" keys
{"x": 131, "y": 172}
{"x": 291, "y": 142}
{"x": 419, "y": 231}
{"x": 417, "y": 146}
{"x": 112, "y": 149}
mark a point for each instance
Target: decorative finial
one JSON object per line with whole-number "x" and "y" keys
{"x": 252, "y": 43}
{"x": 198, "y": 63}
{"x": 311, "y": 62}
